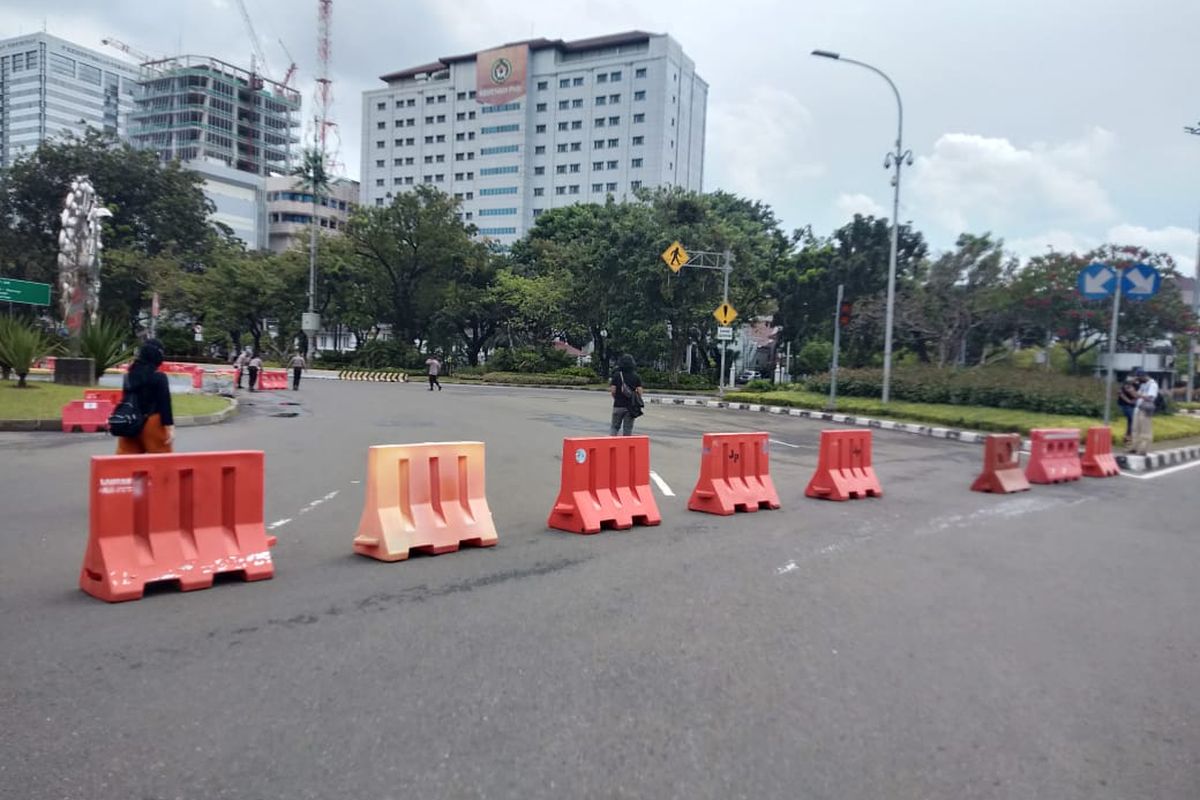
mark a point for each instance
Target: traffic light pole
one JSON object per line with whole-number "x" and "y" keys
{"x": 837, "y": 343}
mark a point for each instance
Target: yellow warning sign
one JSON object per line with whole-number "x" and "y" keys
{"x": 675, "y": 257}
{"x": 725, "y": 314}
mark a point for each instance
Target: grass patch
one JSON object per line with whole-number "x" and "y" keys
{"x": 44, "y": 400}
{"x": 995, "y": 420}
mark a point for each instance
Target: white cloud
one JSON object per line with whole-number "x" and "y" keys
{"x": 973, "y": 182}
{"x": 850, "y": 204}
{"x": 1179, "y": 243}
{"x": 753, "y": 153}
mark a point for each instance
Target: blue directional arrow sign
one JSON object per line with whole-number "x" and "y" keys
{"x": 1141, "y": 282}
{"x": 1097, "y": 281}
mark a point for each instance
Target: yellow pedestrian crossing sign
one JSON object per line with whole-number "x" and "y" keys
{"x": 725, "y": 314}
{"x": 675, "y": 257}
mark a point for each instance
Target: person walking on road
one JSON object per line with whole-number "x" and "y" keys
{"x": 435, "y": 367}
{"x": 298, "y": 366}
{"x": 1143, "y": 418}
{"x": 1127, "y": 399}
{"x": 626, "y": 390}
{"x": 255, "y": 366}
{"x": 150, "y": 390}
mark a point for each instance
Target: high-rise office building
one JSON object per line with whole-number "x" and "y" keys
{"x": 231, "y": 125}
{"x": 50, "y": 87}
{"x": 538, "y": 124}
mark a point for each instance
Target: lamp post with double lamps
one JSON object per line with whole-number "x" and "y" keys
{"x": 893, "y": 160}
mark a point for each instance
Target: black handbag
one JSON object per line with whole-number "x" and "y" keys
{"x": 126, "y": 419}
{"x": 637, "y": 406}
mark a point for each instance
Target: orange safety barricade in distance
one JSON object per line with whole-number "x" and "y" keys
{"x": 87, "y": 415}
{"x": 426, "y": 497}
{"x": 735, "y": 474}
{"x": 272, "y": 379}
{"x": 1053, "y": 456}
{"x": 181, "y": 517}
{"x": 1098, "y": 459}
{"x": 1001, "y": 466}
{"x": 844, "y": 470}
{"x": 605, "y": 481}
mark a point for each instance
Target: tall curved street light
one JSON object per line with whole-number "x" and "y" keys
{"x": 893, "y": 160}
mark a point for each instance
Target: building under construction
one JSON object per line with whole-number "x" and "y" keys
{"x": 195, "y": 108}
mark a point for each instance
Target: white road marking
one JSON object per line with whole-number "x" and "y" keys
{"x": 1160, "y": 472}
{"x": 662, "y": 485}
{"x": 319, "y": 501}
{"x": 279, "y": 523}
{"x": 785, "y": 444}
{"x": 786, "y": 568}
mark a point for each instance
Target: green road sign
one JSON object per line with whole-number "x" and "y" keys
{"x": 15, "y": 291}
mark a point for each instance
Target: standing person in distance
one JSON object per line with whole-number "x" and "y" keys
{"x": 240, "y": 363}
{"x": 626, "y": 390}
{"x": 298, "y": 366}
{"x": 255, "y": 368}
{"x": 435, "y": 367}
{"x": 1127, "y": 399}
{"x": 1143, "y": 417}
{"x": 149, "y": 389}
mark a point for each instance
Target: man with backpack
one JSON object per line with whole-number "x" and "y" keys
{"x": 1149, "y": 400}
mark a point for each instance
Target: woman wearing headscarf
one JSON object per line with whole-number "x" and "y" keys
{"x": 150, "y": 389}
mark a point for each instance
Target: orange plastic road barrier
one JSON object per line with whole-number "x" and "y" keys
{"x": 1098, "y": 459}
{"x": 735, "y": 474}
{"x": 844, "y": 470}
{"x": 424, "y": 497}
{"x": 605, "y": 481}
{"x": 272, "y": 379}
{"x": 1054, "y": 456}
{"x": 1001, "y": 466}
{"x": 181, "y": 517}
{"x": 87, "y": 415}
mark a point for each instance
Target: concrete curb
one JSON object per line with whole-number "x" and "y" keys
{"x": 209, "y": 419}
{"x": 1131, "y": 463}
{"x": 55, "y": 425}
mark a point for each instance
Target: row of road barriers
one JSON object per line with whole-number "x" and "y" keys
{"x": 186, "y": 517}
{"x": 1053, "y": 458}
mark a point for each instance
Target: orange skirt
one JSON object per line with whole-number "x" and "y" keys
{"x": 152, "y": 439}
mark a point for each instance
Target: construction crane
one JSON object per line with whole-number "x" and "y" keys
{"x": 324, "y": 87}
{"x": 291, "y": 70}
{"x": 138, "y": 55}
{"x": 264, "y": 68}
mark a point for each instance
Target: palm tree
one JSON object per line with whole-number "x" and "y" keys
{"x": 313, "y": 178}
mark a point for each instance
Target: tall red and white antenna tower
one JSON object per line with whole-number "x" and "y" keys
{"x": 324, "y": 88}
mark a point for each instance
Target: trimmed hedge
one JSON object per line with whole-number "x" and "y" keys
{"x": 536, "y": 378}
{"x": 993, "y": 387}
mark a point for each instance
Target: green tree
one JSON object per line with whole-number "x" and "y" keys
{"x": 415, "y": 245}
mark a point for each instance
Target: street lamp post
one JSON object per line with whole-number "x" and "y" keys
{"x": 893, "y": 160}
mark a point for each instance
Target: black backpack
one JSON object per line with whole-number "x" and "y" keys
{"x": 126, "y": 419}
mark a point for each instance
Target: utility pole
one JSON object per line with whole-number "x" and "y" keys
{"x": 893, "y": 160}
{"x": 1112, "y": 344}
{"x": 1194, "y": 130}
{"x": 837, "y": 343}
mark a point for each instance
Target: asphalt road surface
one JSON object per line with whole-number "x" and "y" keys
{"x": 935, "y": 643}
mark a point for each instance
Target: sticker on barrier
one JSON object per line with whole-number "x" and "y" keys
{"x": 735, "y": 474}
{"x": 605, "y": 483}
{"x": 1053, "y": 456}
{"x": 426, "y": 497}
{"x": 181, "y": 517}
{"x": 844, "y": 470}
{"x": 1001, "y": 466}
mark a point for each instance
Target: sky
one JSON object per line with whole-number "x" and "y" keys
{"x": 1049, "y": 123}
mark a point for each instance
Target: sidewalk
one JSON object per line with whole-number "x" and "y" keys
{"x": 1162, "y": 455}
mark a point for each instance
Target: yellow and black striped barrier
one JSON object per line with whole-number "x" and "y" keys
{"x": 372, "y": 375}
